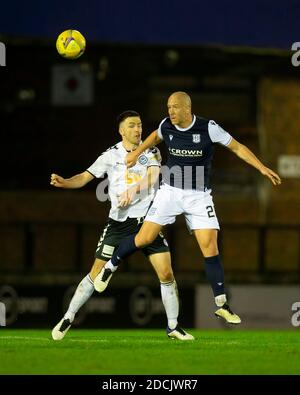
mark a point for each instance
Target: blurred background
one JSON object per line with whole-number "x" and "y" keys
{"x": 235, "y": 60}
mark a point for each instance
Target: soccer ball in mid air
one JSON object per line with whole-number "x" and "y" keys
{"x": 70, "y": 44}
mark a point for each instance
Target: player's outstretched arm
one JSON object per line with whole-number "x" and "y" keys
{"x": 77, "y": 181}
{"x": 151, "y": 140}
{"x": 248, "y": 156}
{"x": 145, "y": 184}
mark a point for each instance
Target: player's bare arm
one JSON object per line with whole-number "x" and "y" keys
{"x": 145, "y": 184}
{"x": 77, "y": 181}
{"x": 151, "y": 140}
{"x": 248, "y": 156}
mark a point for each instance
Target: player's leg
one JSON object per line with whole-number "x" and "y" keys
{"x": 161, "y": 262}
{"x": 202, "y": 220}
{"x": 130, "y": 244}
{"x": 160, "y": 213}
{"x": 82, "y": 294}
{"x": 207, "y": 240}
{"x": 85, "y": 289}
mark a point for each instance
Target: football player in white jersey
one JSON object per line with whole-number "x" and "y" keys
{"x": 131, "y": 192}
{"x": 190, "y": 141}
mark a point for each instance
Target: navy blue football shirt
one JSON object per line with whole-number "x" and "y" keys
{"x": 190, "y": 152}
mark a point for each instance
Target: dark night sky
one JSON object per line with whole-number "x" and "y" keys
{"x": 262, "y": 23}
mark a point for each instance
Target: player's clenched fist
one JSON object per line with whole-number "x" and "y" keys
{"x": 57, "y": 181}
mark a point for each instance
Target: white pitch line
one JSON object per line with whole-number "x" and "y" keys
{"x": 70, "y": 339}
{"x": 48, "y": 339}
{"x": 22, "y": 338}
{"x": 89, "y": 340}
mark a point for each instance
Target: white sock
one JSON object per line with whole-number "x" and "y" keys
{"x": 110, "y": 266}
{"x": 81, "y": 295}
{"x": 169, "y": 295}
{"x": 220, "y": 300}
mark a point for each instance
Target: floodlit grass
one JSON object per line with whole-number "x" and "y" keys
{"x": 134, "y": 352}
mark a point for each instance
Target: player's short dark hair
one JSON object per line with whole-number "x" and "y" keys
{"x": 126, "y": 114}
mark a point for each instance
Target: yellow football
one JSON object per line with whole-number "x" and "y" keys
{"x": 70, "y": 44}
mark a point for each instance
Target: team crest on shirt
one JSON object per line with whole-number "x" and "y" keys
{"x": 143, "y": 159}
{"x": 196, "y": 138}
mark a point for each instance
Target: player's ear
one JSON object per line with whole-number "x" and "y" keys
{"x": 121, "y": 128}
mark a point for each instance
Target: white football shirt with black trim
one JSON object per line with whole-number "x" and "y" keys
{"x": 120, "y": 178}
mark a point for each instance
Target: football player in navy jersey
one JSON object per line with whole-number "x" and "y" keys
{"x": 186, "y": 190}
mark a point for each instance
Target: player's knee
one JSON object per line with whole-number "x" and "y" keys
{"x": 96, "y": 268}
{"x": 165, "y": 275}
{"x": 143, "y": 240}
{"x": 209, "y": 246}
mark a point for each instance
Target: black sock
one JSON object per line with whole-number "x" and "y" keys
{"x": 126, "y": 248}
{"x": 215, "y": 274}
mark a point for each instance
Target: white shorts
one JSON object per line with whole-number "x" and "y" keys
{"x": 197, "y": 207}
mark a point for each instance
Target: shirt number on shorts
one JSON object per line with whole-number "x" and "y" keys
{"x": 210, "y": 211}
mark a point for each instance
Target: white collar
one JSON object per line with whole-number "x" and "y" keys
{"x": 189, "y": 127}
{"x": 124, "y": 149}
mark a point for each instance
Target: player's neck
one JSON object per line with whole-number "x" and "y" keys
{"x": 187, "y": 122}
{"x": 129, "y": 146}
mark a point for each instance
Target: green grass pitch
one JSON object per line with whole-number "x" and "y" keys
{"x": 134, "y": 352}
